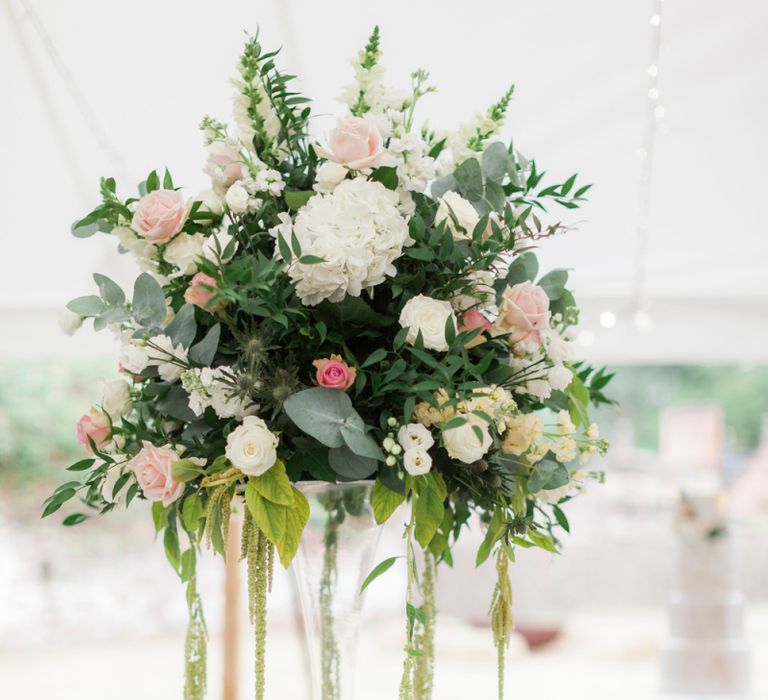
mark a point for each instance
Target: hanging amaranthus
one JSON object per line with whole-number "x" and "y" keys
{"x": 258, "y": 552}
{"x": 195, "y": 647}
{"x": 501, "y": 614}
{"x": 424, "y": 665}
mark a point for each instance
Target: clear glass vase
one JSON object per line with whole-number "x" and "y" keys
{"x": 336, "y": 553}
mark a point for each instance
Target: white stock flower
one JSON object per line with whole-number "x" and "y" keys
{"x": 215, "y": 246}
{"x": 69, "y": 322}
{"x": 593, "y": 432}
{"x": 184, "y": 251}
{"x": 557, "y": 348}
{"x": 479, "y": 291}
{"x": 252, "y": 447}
{"x": 416, "y": 461}
{"x": 115, "y": 398}
{"x": 577, "y": 483}
{"x": 565, "y": 425}
{"x": 214, "y": 387}
{"x": 415, "y": 435}
{"x": 269, "y": 181}
{"x": 428, "y": 316}
{"x": 459, "y": 215}
{"x": 521, "y": 432}
{"x": 539, "y": 388}
{"x": 559, "y": 377}
{"x": 237, "y": 199}
{"x": 565, "y": 450}
{"x": 356, "y": 230}
{"x": 170, "y": 360}
{"x": 464, "y": 443}
{"x": 133, "y": 358}
{"x": 329, "y": 174}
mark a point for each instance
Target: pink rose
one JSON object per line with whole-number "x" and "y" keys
{"x": 94, "y": 425}
{"x": 334, "y": 373}
{"x": 471, "y": 320}
{"x": 159, "y": 215}
{"x": 354, "y": 143}
{"x": 524, "y": 312}
{"x": 197, "y": 293}
{"x": 152, "y": 467}
{"x": 224, "y": 164}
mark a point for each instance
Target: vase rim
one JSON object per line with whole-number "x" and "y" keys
{"x": 312, "y": 485}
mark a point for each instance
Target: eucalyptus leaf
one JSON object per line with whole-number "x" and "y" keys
{"x": 320, "y": 412}
{"x": 87, "y": 306}
{"x": 109, "y": 290}
{"x": 548, "y": 474}
{"x": 349, "y": 465}
{"x": 148, "y": 301}
{"x": 202, "y": 353}
{"x": 182, "y": 328}
{"x": 469, "y": 178}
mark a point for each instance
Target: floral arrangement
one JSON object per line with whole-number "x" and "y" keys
{"x": 364, "y": 305}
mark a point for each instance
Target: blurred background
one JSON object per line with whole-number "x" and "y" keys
{"x": 662, "y": 105}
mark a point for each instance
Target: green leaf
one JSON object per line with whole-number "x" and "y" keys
{"x": 90, "y": 305}
{"x": 191, "y": 512}
{"x": 375, "y": 357}
{"x": 188, "y": 565}
{"x": 495, "y": 161}
{"x": 167, "y": 180}
{"x": 81, "y": 466}
{"x": 469, "y": 177}
{"x": 349, "y": 465}
{"x": 353, "y": 431}
{"x": 171, "y": 544}
{"x": 578, "y": 395}
{"x": 74, "y": 519}
{"x": 546, "y": 475}
{"x": 185, "y": 470}
{"x": 562, "y": 520}
{"x": 492, "y": 534}
{"x": 387, "y": 176}
{"x": 109, "y": 290}
{"x": 553, "y": 283}
{"x": 320, "y": 412}
{"x": 269, "y": 517}
{"x": 297, "y": 199}
{"x": 523, "y": 268}
{"x": 444, "y": 184}
{"x": 296, "y": 518}
{"x": 274, "y": 485}
{"x": 153, "y": 182}
{"x": 429, "y": 512}
{"x": 182, "y": 328}
{"x": 543, "y": 541}
{"x": 202, "y": 353}
{"x": 378, "y": 570}
{"x": 284, "y": 248}
{"x": 384, "y": 502}
{"x": 148, "y": 301}
{"x": 159, "y": 515}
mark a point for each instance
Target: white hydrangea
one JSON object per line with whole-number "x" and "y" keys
{"x": 213, "y": 387}
{"x": 356, "y": 230}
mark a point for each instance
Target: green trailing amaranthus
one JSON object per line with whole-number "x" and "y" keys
{"x": 195, "y": 647}
{"x": 424, "y": 665}
{"x": 258, "y": 552}
{"x": 501, "y": 614}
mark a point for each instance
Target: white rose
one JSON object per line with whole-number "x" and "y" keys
{"x": 463, "y": 442}
{"x": 415, "y": 435}
{"x": 459, "y": 215}
{"x": 215, "y": 245}
{"x": 237, "y": 199}
{"x": 133, "y": 358}
{"x": 252, "y": 447}
{"x": 69, "y": 321}
{"x": 209, "y": 201}
{"x": 428, "y": 316}
{"x": 417, "y": 461}
{"x": 115, "y": 398}
{"x": 559, "y": 377}
{"x": 329, "y": 175}
{"x": 184, "y": 251}
{"x": 140, "y": 247}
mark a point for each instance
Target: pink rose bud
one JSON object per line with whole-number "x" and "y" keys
{"x": 523, "y": 313}
{"x": 224, "y": 164}
{"x": 159, "y": 215}
{"x": 200, "y": 291}
{"x": 471, "y": 320}
{"x": 354, "y": 143}
{"x": 334, "y": 373}
{"x": 153, "y": 469}
{"x": 94, "y": 425}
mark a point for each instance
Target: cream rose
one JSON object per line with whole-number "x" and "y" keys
{"x": 252, "y": 447}
{"x": 417, "y": 461}
{"x": 215, "y": 246}
{"x": 237, "y": 199}
{"x": 159, "y": 215}
{"x": 116, "y": 398}
{"x": 459, "y": 215}
{"x": 463, "y": 442}
{"x": 329, "y": 175}
{"x": 354, "y": 143}
{"x": 427, "y": 316}
{"x": 184, "y": 251}
{"x": 210, "y": 201}
{"x": 415, "y": 435}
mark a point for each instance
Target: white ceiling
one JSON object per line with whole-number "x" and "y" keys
{"x": 149, "y": 71}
